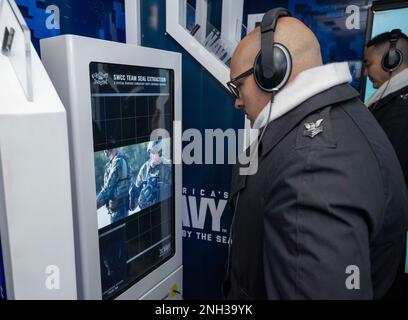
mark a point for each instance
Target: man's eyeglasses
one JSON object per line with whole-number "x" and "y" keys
{"x": 233, "y": 88}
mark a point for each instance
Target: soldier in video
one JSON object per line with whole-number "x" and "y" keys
{"x": 153, "y": 183}
{"x": 114, "y": 193}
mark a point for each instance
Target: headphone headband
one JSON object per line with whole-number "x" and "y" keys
{"x": 395, "y": 34}
{"x": 268, "y": 27}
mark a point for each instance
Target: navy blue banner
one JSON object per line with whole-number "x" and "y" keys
{"x": 103, "y": 19}
{"x": 206, "y": 215}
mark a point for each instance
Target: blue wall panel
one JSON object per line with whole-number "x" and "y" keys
{"x": 328, "y": 19}
{"x": 260, "y": 6}
{"x": 206, "y": 105}
{"x": 104, "y": 19}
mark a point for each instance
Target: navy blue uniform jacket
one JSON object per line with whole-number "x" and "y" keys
{"x": 321, "y": 209}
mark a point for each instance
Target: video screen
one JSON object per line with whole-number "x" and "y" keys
{"x": 384, "y": 21}
{"x": 134, "y": 173}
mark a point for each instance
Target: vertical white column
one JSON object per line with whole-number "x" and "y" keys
{"x": 231, "y": 23}
{"x": 182, "y": 12}
{"x": 133, "y": 27}
{"x": 201, "y": 19}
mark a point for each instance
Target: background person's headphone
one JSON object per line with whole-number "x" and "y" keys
{"x": 392, "y": 60}
{"x": 273, "y": 64}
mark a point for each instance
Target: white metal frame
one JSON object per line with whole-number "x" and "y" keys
{"x": 201, "y": 15}
{"x": 36, "y": 223}
{"x": 67, "y": 60}
{"x": 133, "y": 26}
{"x": 231, "y": 23}
{"x": 253, "y": 19}
{"x": 216, "y": 67}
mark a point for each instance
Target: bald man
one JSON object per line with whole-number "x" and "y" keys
{"x": 389, "y": 106}
{"x": 324, "y": 216}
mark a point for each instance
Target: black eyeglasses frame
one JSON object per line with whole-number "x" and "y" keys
{"x": 233, "y": 88}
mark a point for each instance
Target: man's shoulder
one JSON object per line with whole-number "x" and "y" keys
{"x": 397, "y": 100}
{"x": 401, "y": 98}
{"x": 332, "y": 125}
{"x": 403, "y": 91}
{"x": 316, "y": 131}
{"x": 306, "y": 118}
{"x": 336, "y": 134}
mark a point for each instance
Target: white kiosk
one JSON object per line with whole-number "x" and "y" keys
{"x": 36, "y": 224}
{"x": 126, "y": 187}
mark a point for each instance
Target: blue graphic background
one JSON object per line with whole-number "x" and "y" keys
{"x": 206, "y": 104}
{"x": 103, "y": 19}
{"x": 327, "y": 19}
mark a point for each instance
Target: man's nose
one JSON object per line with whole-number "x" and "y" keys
{"x": 365, "y": 72}
{"x": 238, "y": 104}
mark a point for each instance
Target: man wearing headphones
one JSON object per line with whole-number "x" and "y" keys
{"x": 386, "y": 65}
{"x": 324, "y": 216}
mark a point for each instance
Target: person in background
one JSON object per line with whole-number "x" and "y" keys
{"x": 386, "y": 65}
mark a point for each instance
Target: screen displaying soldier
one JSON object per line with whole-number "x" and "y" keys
{"x": 153, "y": 181}
{"x": 132, "y": 178}
{"x": 133, "y": 172}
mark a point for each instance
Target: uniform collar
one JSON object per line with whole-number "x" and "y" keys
{"x": 384, "y": 101}
{"x": 395, "y": 84}
{"x": 306, "y": 85}
{"x": 279, "y": 128}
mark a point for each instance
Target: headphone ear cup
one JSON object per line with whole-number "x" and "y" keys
{"x": 282, "y": 66}
{"x": 392, "y": 61}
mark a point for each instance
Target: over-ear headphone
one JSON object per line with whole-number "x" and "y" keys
{"x": 273, "y": 64}
{"x": 392, "y": 60}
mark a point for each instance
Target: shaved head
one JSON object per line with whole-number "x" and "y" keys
{"x": 293, "y": 34}
{"x": 296, "y": 37}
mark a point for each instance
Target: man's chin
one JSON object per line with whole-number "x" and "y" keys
{"x": 376, "y": 84}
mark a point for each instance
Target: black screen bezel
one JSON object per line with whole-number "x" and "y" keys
{"x": 125, "y": 220}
